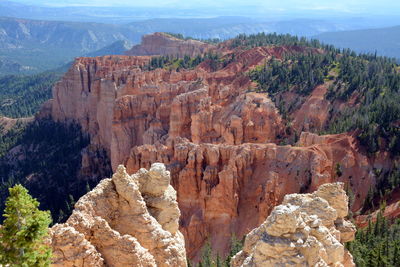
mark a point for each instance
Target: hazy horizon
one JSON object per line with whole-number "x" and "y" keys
{"x": 349, "y": 7}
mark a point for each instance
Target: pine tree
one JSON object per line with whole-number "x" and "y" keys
{"x": 24, "y": 230}
{"x": 218, "y": 262}
{"x": 236, "y": 246}
{"x": 396, "y": 255}
{"x": 206, "y": 257}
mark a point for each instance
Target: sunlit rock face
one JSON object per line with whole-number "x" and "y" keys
{"x": 128, "y": 220}
{"x": 305, "y": 230}
{"x": 217, "y": 136}
{"x": 164, "y": 44}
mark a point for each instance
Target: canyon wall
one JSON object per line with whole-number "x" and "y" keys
{"x": 217, "y": 136}
{"x": 124, "y": 221}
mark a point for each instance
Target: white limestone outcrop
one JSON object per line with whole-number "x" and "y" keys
{"x": 124, "y": 221}
{"x": 305, "y": 230}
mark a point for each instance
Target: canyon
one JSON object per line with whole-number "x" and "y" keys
{"x": 219, "y": 138}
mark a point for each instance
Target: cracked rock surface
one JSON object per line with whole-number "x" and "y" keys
{"x": 128, "y": 220}
{"x": 305, "y": 230}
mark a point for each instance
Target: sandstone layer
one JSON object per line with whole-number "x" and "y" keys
{"x": 217, "y": 137}
{"x": 165, "y": 44}
{"x": 124, "y": 221}
{"x": 305, "y": 230}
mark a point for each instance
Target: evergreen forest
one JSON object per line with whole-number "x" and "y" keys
{"x": 22, "y": 95}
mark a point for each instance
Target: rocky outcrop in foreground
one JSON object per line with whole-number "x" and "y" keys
{"x": 124, "y": 221}
{"x": 305, "y": 230}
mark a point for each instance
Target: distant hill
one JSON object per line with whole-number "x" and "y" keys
{"x": 83, "y": 37}
{"x": 385, "y": 41}
{"x": 9, "y": 66}
{"x": 116, "y": 48}
{"x": 229, "y": 27}
{"x": 32, "y": 46}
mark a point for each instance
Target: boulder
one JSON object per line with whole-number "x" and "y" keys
{"x": 305, "y": 230}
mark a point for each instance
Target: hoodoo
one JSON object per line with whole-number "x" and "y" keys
{"x": 128, "y": 220}
{"x": 305, "y": 230}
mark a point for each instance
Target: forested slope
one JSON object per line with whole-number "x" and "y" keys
{"x": 22, "y": 96}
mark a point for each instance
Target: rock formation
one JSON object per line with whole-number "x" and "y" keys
{"x": 305, "y": 230}
{"x": 124, "y": 221}
{"x": 391, "y": 210}
{"x": 165, "y": 44}
{"x": 217, "y": 137}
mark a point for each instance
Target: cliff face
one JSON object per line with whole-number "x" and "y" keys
{"x": 305, "y": 230}
{"x": 124, "y": 221}
{"x": 165, "y": 44}
{"x": 226, "y": 189}
{"x": 217, "y": 138}
{"x": 391, "y": 210}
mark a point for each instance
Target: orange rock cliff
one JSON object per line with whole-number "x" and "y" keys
{"x": 218, "y": 138}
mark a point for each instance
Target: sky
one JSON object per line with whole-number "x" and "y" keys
{"x": 279, "y": 8}
{"x": 346, "y": 6}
